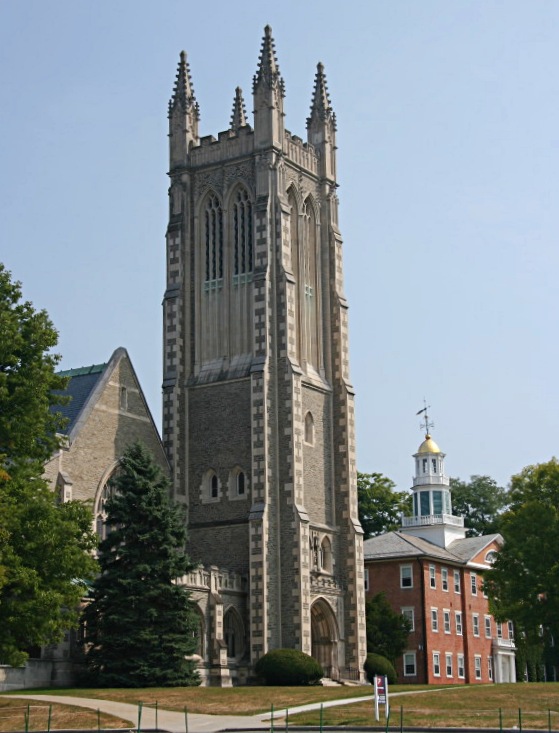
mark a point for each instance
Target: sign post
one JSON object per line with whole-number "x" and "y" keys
{"x": 381, "y": 695}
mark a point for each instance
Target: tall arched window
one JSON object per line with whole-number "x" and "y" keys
{"x": 233, "y": 633}
{"x": 309, "y": 429}
{"x": 294, "y": 230}
{"x": 326, "y": 555}
{"x": 209, "y": 491}
{"x": 242, "y": 233}
{"x": 310, "y": 281}
{"x": 213, "y": 226}
{"x": 107, "y": 493}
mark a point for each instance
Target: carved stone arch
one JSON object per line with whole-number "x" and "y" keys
{"x": 232, "y": 190}
{"x": 211, "y": 487}
{"x": 325, "y": 636}
{"x": 233, "y": 633}
{"x": 102, "y": 493}
{"x": 309, "y": 428}
{"x": 200, "y": 631}
{"x": 293, "y": 192}
{"x": 238, "y": 483}
{"x": 326, "y": 557}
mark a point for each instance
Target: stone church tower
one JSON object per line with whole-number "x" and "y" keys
{"x": 258, "y": 418}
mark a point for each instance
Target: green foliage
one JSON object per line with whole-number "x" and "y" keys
{"x": 523, "y": 583}
{"x": 140, "y": 624}
{"x": 481, "y": 502}
{"x": 288, "y": 667}
{"x": 377, "y": 664}
{"x": 27, "y": 381}
{"x": 380, "y": 507}
{"x": 44, "y": 548}
{"x": 387, "y": 630}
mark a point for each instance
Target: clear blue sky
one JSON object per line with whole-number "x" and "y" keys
{"x": 448, "y": 160}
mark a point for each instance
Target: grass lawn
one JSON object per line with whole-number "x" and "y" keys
{"x": 464, "y": 706}
{"x": 460, "y": 706}
{"x": 13, "y": 714}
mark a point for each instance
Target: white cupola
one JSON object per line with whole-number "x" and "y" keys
{"x": 432, "y": 509}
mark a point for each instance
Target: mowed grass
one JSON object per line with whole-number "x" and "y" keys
{"x": 13, "y": 717}
{"x": 217, "y": 701}
{"x": 456, "y": 706}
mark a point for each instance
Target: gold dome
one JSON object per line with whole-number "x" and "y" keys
{"x": 429, "y": 446}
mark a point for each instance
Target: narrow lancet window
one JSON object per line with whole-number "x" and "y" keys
{"x": 213, "y": 222}
{"x": 242, "y": 233}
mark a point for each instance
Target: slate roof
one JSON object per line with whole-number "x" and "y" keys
{"x": 398, "y": 545}
{"x": 82, "y": 383}
{"x": 469, "y": 547}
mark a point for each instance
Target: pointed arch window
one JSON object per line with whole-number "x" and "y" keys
{"x": 309, "y": 429}
{"x": 213, "y": 232}
{"x": 233, "y": 633}
{"x": 209, "y": 491}
{"x": 326, "y": 555}
{"x": 242, "y": 234}
{"x": 107, "y": 493}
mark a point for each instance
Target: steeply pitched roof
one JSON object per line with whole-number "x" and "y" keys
{"x": 82, "y": 383}
{"x": 399, "y": 545}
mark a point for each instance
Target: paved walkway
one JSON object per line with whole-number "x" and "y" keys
{"x": 175, "y": 723}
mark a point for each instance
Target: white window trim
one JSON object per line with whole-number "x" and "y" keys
{"x": 446, "y": 615}
{"x": 444, "y": 580}
{"x": 411, "y": 609}
{"x": 456, "y": 575}
{"x": 406, "y": 587}
{"x": 410, "y": 654}
{"x": 447, "y": 657}
{"x": 438, "y": 655}
{"x": 435, "y": 620}
{"x": 463, "y": 675}
{"x": 487, "y": 625}
{"x": 432, "y": 577}
{"x": 458, "y": 615}
{"x": 475, "y": 624}
{"x": 473, "y": 583}
{"x": 477, "y": 666}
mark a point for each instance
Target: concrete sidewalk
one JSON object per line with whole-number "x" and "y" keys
{"x": 166, "y": 719}
{"x": 197, "y": 723}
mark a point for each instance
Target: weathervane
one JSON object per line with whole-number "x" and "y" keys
{"x": 425, "y": 424}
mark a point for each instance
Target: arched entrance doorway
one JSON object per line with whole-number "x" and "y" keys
{"x": 324, "y": 637}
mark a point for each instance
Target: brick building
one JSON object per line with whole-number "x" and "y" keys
{"x": 433, "y": 574}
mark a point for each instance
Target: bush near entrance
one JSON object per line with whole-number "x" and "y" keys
{"x": 288, "y": 667}
{"x": 377, "y": 664}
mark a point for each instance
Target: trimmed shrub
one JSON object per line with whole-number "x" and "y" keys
{"x": 288, "y": 667}
{"x": 377, "y": 664}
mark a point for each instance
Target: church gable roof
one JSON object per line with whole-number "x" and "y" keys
{"x": 81, "y": 385}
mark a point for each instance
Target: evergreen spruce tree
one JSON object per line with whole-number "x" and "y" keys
{"x": 140, "y": 625}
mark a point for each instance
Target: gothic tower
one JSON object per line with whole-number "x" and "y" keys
{"x": 258, "y": 409}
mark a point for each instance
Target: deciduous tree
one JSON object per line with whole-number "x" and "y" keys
{"x": 523, "y": 583}
{"x": 380, "y": 506}
{"x": 480, "y": 501}
{"x": 44, "y": 548}
{"x": 141, "y": 625}
{"x": 387, "y": 630}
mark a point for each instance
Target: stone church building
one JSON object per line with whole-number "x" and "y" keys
{"x": 258, "y": 415}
